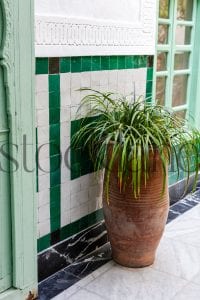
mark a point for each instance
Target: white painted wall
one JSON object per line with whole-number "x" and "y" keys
{"x": 93, "y": 27}
{"x": 123, "y": 10}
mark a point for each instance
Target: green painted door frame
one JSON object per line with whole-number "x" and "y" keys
{"x": 17, "y": 62}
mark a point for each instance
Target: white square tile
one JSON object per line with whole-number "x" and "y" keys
{"x": 43, "y": 197}
{"x": 65, "y": 172}
{"x": 75, "y": 81}
{"x": 65, "y": 218}
{"x": 42, "y": 100}
{"x": 79, "y": 212}
{"x": 42, "y": 117}
{"x": 78, "y": 198}
{"x": 95, "y": 78}
{"x": 74, "y": 112}
{"x": 43, "y": 134}
{"x": 43, "y": 213}
{"x": 112, "y": 77}
{"x": 43, "y": 182}
{"x": 41, "y": 83}
{"x": 43, "y": 166}
{"x": 65, "y": 196}
{"x": 86, "y": 79}
{"x": 65, "y": 114}
{"x": 75, "y": 185}
{"x": 44, "y": 228}
{"x": 140, "y": 74}
{"x": 75, "y": 97}
{"x": 104, "y": 78}
{"x": 65, "y": 82}
{"x": 43, "y": 151}
{"x": 65, "y": 98}
{"x": 94, "y": 204}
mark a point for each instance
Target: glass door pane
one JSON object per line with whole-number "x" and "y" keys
{"x": 181, "y": 60}
{"x": 180, "y": 84}
{"x": 160, "y": 90}
{"x": 183, "y": 35}
{"x": 162, "y": 61}
{"x": 163, "y": 34}
{"x": 164, "y": 9}
{"x": 184, "y": 10}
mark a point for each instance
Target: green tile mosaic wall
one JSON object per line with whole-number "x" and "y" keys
{"x": 80, "y": 161}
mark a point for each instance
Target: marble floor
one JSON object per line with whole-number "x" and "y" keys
{"x": 174, "y": 275}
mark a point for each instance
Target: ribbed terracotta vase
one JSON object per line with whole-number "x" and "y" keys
{"x": 135, "y": 226}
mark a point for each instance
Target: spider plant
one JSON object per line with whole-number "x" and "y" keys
{"x": 125, "y": 131}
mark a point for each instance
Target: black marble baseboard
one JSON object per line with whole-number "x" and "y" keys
{"x": 68, "y": 262}
{"x": 71, "y": 250}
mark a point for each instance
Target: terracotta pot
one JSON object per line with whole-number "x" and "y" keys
{"x": 135, "y": 226}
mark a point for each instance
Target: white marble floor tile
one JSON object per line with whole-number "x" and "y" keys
{"x": 85, "y": 295}
{"x": 185, "y": 230}
{"x": 177, "y": 258}
{"x": 120, "y": 283}
{"x": 189, "y": 292}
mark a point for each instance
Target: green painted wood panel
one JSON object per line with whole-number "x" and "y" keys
{"x": 5, "y": 218}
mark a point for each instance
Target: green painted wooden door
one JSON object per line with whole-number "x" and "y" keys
{"x": 5, "y": 211}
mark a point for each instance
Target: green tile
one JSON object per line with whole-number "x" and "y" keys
{"x": 76, "y": 64}
{"x": 121, "y": 62}
{"x": 54, "y": 91}
{"x": 75, "y": 171}
{"x": 75, "y": 126}
{"x": 42, "y": 66}
{"x": 44, "y": 243}
{"x": 113, "y": 62}
{"x": 105, "y": 62}
{"x": 95, "y": 217}
{"x": 96, "y": 63}
{"x": 65, "y": 64}
{"x": 83, "y": 223}
{"x": 54, "y": 131}
{"x": 54, "y": 115}
{"x": 135, "y": 61}
{"x": 142, "y": 61}
{"x": 65, "y": 232}
{"x": 54, "y": 147}
{"x": 149, "y": 87}
{"x": 129, "y": 62}
{"x": 55, "y": 178}
{"x": 55, "y": 223}
{"x": 150, "y": 74}
{"x": 55, "y": 207}
{"x": 55, "y": 162}
{"x": 86, "y": 165}
{"x": 75, "y": 155}
{"x": 86, "y": 63}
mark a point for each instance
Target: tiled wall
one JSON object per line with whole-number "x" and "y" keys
{"x": 69, "y": 196}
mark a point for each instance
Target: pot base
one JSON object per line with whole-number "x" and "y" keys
{"x": 132, "y": 263}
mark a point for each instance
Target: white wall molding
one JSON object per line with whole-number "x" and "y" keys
{"x": 70, "y": 36}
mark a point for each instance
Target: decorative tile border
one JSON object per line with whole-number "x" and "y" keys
{"x": 91, "y": 63}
